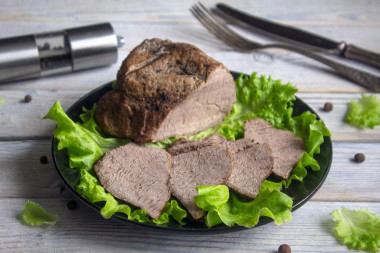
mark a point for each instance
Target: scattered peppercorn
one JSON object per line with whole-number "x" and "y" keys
{"x": 284, "y": 248}
{"x": 328, "y": 107}
{"x": 44, "y": 160}
{"x": 359, "y": 157}
{"x": 72, "y": 204}
{"x": 27, "y": 98}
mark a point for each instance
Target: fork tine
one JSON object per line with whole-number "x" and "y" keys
{"x": 220, "y": 24}
{"x": 219, "y": 29}
{"x": 212, "y": 27}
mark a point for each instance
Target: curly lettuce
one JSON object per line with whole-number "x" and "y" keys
{"x": 84, "y": 145}
{"x": 35, "y": 215}
{"x": 358, "y": 230}
{"x": 225, "y": 206}
{"x": 365, "y": 112}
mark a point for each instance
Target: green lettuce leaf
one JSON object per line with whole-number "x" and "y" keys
{"x": 365, "y": 112}
{"x": 83, "y": 146}
{"x": 299, "y": 172}
{"x": 272, "y": 186}
{"x": 1, "y": 101}
{"x": 358, "y": 230}
{"x": 258, "y": 97}
{"x": 223, "y": 205}
{"x": 312, "y": 132}
{"x": 33, "y": 214}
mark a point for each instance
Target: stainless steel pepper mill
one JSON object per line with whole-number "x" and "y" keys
{"x": 58, "y": 52}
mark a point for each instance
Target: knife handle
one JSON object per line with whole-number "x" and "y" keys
{"x": 360, "y": 77}
{"x": 362, "y": 55}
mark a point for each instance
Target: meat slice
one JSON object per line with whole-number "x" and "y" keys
{"x": 138, "y": 175}
{"x": 286, "y": 147}
{"x": 196, "y": 163}
{"x": 252, "y": 164}
{"x": 166, "y": 89}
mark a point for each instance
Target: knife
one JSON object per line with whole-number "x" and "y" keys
{"x": 341, "y": 49}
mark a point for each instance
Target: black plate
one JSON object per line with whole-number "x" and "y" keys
{"x": 300, "y": 192}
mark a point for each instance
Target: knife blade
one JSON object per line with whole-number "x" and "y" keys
{"x": 330, "y": 46}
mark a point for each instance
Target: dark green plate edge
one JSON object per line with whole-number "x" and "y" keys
{"x": 300, "y": 192}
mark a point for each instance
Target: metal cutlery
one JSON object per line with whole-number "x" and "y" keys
{"x": 239, "y": 43}
{"x": 327, "y": 45}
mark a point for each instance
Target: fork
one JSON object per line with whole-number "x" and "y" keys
{"x": 239, "y": 43}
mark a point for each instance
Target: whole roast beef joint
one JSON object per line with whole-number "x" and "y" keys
{"x": 166, "y": 89}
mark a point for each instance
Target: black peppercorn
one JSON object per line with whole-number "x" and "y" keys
{"x": 72, "y": 204}
{"x": 284, "y": 248}
{"x": 359, "y": 157}
{"x": 44, "y": 160}
{"x": 328, "y": 107}
{"x": 27, "y": 98}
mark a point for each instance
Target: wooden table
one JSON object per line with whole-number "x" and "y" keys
{"x": 25, "y": 137}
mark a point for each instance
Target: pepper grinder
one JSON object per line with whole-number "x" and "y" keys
{"x": 58, "y": 52}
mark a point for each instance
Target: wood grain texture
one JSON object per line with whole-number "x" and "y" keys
{"x": 306, "y": 74}
{"x": 25, "y": 137}
{"x": 83, "y": 230}
{"x": 339, "y": 20}
{"x": 329, "y": 13}
{"x": 24, "y": 120}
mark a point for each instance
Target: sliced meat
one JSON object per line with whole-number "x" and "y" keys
{"x": 286, "y": 147}
{"x": 166, "y": 89}
{"x": 196, "y": 163}
{"x": 138, "y": 175}
{"x": 252, "y": 164}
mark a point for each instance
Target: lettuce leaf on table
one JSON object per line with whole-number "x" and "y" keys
{"x": 33, "y": 214}
{"x": 358, "y": 230}
{"x": 365, "y": 112}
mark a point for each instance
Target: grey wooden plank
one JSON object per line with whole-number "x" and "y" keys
{"x": 306, "y": 74}
{"x": 349, "y": 180}
{"x": 24, "y": 120}
{"x": 83, "y": 230}
{"x": 335, "y": 120}
{"x": 329, "y": 12}
{"x": 186, "y": 28}
{"x": 355, "y": 23}
{"x": 22, "y": 175}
